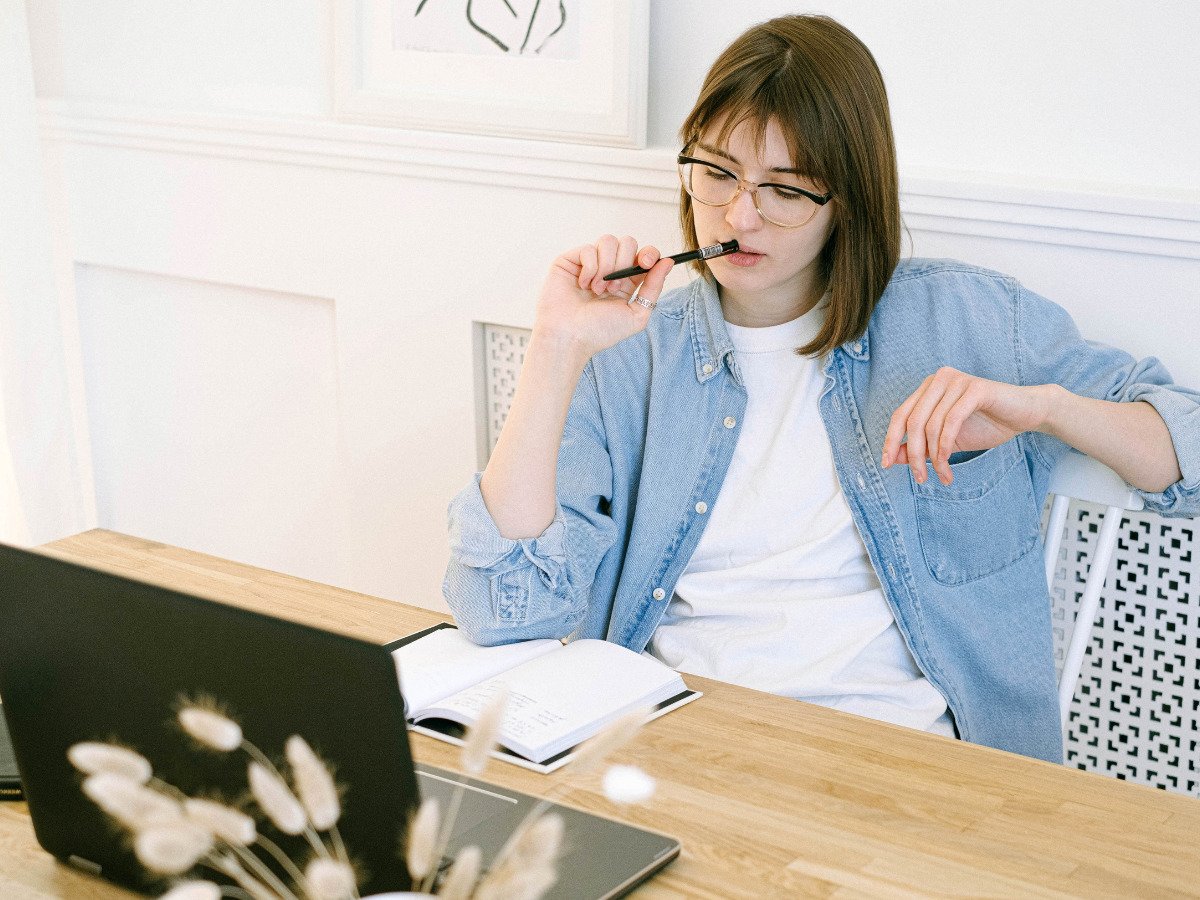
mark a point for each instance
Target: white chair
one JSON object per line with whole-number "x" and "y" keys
{"x": 1079, "y": 477}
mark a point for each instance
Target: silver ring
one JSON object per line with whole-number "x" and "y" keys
{"x": 643, "y": 302}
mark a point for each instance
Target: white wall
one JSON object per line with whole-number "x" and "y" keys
{"x": 44, "y": 469}
{"x": 1100, "y": 91}
{"x": 274, "y": 309}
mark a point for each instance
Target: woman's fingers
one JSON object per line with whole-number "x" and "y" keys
{"x": 627, "y": 249}
{"x": 898, "y": 425}
{"x": 588, "y": 266}
{"x": 933, "y": 417}
{"x": 940, "y": 434}
{"x": 918, "y": 438}
{"x": 650, "y": 285}
{"x": 607, "y": 249}
{"x": 622, "y": 288}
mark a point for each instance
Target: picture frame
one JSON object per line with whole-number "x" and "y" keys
{"x": 557, "y": 70}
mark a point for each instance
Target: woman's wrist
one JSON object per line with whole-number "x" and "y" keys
{"x": 1053, "y": 401}
{"x": 564, "y": 351}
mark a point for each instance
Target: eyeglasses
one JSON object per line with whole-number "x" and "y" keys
{"x": 784, "y": 205}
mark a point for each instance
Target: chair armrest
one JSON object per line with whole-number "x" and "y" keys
{"x": 1083, "y": 478}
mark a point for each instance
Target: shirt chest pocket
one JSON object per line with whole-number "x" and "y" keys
{"x": 984, "y": 520}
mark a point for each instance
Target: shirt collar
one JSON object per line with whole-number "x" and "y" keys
{"x": 711, "y": 345}
{"x": 859, "y": 348}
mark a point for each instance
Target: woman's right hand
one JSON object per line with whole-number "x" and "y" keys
{"x": 578, "y": 306}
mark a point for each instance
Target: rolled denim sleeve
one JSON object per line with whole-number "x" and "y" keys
{"x": 502, "y": 590}
{"x": 1051, "y": 351}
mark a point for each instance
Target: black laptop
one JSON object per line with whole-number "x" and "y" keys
{"x": 90, "y": 656}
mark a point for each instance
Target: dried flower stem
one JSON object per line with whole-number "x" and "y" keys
{"x": 227, "y": 865}
{"x": 459, "y": 882}
{"x": 318, "y": 793}
{"x": 247, "y": 856}
{"x": 164, "y": 787}
{"x": 477, "y": 747}
{"x": 443, "y": 838}
{"x": 339, "y": 848}
{"x": 525, "y": 867}
{"x": 593, "y": 752}
{"x": 422, "y": 840}
{"x": 258, "y": 756}
{"x": 264, "y": 872}
{"x": 282, "y": 858}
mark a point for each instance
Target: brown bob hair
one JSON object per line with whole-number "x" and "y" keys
{"x": 824, "y": 88}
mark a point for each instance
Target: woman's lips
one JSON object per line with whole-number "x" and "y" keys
{"x": 744, "y": 258}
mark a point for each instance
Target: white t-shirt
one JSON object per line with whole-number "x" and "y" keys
{"x": 780, "y": 594}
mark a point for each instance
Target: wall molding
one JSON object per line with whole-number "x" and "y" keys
{"x": 1158, "y": 222}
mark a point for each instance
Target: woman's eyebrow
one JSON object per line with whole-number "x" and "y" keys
{"x": 724, "y": 154}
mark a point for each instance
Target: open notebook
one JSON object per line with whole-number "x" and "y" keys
{"x": 559, "y": 694}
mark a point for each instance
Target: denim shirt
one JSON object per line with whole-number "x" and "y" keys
{"x": 651, "y": 431}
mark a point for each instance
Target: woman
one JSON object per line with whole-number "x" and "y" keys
{"x": 818, "y": 469}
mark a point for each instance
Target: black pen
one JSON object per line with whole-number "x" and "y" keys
{"x": 687, "y": 256}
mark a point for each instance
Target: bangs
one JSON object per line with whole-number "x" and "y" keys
{"x": 755, "y": 102}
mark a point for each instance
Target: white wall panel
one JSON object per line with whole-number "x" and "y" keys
{"x": 269, "y": 56}
{"x": 214, "y": 415}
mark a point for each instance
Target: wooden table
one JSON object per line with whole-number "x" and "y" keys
{"x": 771, "y": 797}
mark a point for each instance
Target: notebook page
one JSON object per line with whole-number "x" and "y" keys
{"x": 444, "y": 662}
{"x": 555, "y": 701}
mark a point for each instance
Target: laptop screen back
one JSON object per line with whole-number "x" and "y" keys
{"x": 89, "y": 656}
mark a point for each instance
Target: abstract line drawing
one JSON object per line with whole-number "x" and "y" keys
{"x": 487, "y": 20}
{"x": 554, "y": 70}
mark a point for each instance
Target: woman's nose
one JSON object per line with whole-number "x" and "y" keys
{"x": 741, "y": 213}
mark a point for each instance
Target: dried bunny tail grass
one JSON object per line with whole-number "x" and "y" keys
{"x": 481, "y": 737}
{"x": 252, "y": 887}
{"x": 516, "y": 884}
{"x": 464, "y": 872}
{"x": 329, "y": 879}
{"x": 232, "y": 826}
{"x": 628, "y": 784}
{"x": 132, "y": 804}
{"x": 276, "y": 800}
{"x": 540, "y": 843}
{"x": 314, "y": 783}
{"x": 535, "y": 843}
{"x": 193, "y": 890}
{"x": 209, "y": 727}
{"x": 421, "y": 853}
{"x": 525, "y": 867}
{"x": 93, "y": 757}
{"x": 172, "y": 849}
{"x": 608, "y": 741}
{"x": 477, "y": 747}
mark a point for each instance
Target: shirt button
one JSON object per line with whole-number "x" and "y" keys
{"x": 858, "y": 346}
{"x": 702, "y": 507}
{"x": 730, "y": 421}
{"x": 658, "y": 594}
{"x": 706, "y": 369}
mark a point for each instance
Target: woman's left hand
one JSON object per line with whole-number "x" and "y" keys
{"x": 952, "y": 411}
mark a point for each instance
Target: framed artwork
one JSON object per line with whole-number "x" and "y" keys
{"x": 562, "y": 70}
